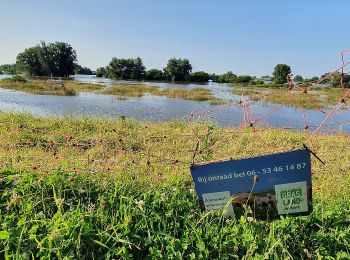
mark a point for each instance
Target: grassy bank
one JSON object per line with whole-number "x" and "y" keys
{"x": 48, "y": 87}
{"x": 195, "y": 94}
{"x": 83, "y": 188}
{"x": 315, "y": 98}
{"x": 123, "y": 91}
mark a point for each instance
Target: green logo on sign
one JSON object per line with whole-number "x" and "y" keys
{"x": 291, "y": 197}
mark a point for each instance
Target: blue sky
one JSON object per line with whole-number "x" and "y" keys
{"x": 247, "y": 37}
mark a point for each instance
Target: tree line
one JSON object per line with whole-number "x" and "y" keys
{"x": 176, "y": 69}
{"x": 59, "y": 59}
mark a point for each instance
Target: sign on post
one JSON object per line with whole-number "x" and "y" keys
{"x": 270, "y": 185}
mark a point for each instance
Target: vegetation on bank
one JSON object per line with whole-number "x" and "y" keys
{"x": 93, "y": 188}
{"x": 47, "y": 87}
{"x": 314, "y": 98}
{"x": 71, "y": 88}
{"x": 195, "y": 94}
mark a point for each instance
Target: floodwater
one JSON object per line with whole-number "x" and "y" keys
{"x": 153, "y": 108}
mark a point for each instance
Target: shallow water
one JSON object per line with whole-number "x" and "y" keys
{"x": 152, "y": 108}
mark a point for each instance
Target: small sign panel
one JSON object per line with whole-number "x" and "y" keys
{"x": 218, "y": 200}
{"x": 271, "y": 185}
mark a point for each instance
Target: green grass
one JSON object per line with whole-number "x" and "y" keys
{"x": 123, "y": 91}
{"x": 130, "y": 90}
{"x": 195, "y": 94}
{"x": 41, "y": 87}
{"x": 314, "y": 98}
{"x": 98, "y": 188}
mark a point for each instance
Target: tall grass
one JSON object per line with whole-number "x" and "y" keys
{"x": 315, "y": 98}
{"x": 40, "y": 87}
{"x": 111, "y": 189}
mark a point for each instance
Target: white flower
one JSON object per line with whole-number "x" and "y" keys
{"x": 250, "y": 219}
{"x": 162, "y": 196}
{"x": 140, "y": 203}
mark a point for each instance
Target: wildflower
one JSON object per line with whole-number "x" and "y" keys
{"x": 59, "y": 202}
{"x": 13, "y": 202}
{"x": 162, "y": 196}
{"x": 140, "y": 204}
{"x": 191, "y": 190}
{"x": 15, "y": 178}
{"x": 250, "y": 219}
{"x": 55, "y": 233}
{"x": 91, "y": 208}
{"x": 307, "y": 252}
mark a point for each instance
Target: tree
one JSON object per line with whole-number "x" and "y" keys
{"x": 227, "y": 77}
{"x": 126, "y": 69}
{"x": 243, "y": 79}
{"x": 30, "y": 62}
{"x": 138, "y": 70}
{"x": 82, "y": 70}
{"x": 280, "y": 73}
{"x": 178, "y": 69}
{"x": 298, "y": 78}
{"x": 101, "y": 72}
{"x": 199, "y": 76}
{"x": 315, "y": 79}
{"x": 335, "y": 81}
{"x": 53, "y": 59}
{"x": 155, "y": 74}
{"x": 8, "y": 69}
{"x": 61, "y": 58}
{"x": 213, "y": 77}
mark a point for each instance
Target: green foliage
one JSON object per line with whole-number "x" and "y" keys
{"x": 178, "y": 69}
{"x": 101, "y": 72}
{"x": 200, "y": 76}
{"x": 243, "y": 79}
{"x": 313, "y": 79}
{"x": 280, "y": 73}
{"x": 336, "y": 81}
{"x": 257, "y": 82}
{"x": 126, "y": 69}
{"x": 16, "y": 78}
{"x": 155, "y": 74}
{"x": 53, "y": 59}
{"x": 10, "y": 69}
{"x": 227, "y": 77}
{"x": 82, "y": 70}
{"x": 298, "y": 78}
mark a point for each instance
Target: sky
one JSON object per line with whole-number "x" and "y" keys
{"x": 247, "y": 37}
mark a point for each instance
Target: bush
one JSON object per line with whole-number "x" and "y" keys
{"x": 16, "y": 78}
{"x": 200, "y": 76}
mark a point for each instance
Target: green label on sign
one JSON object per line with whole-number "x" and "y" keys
{"x": 291, "y": 197}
